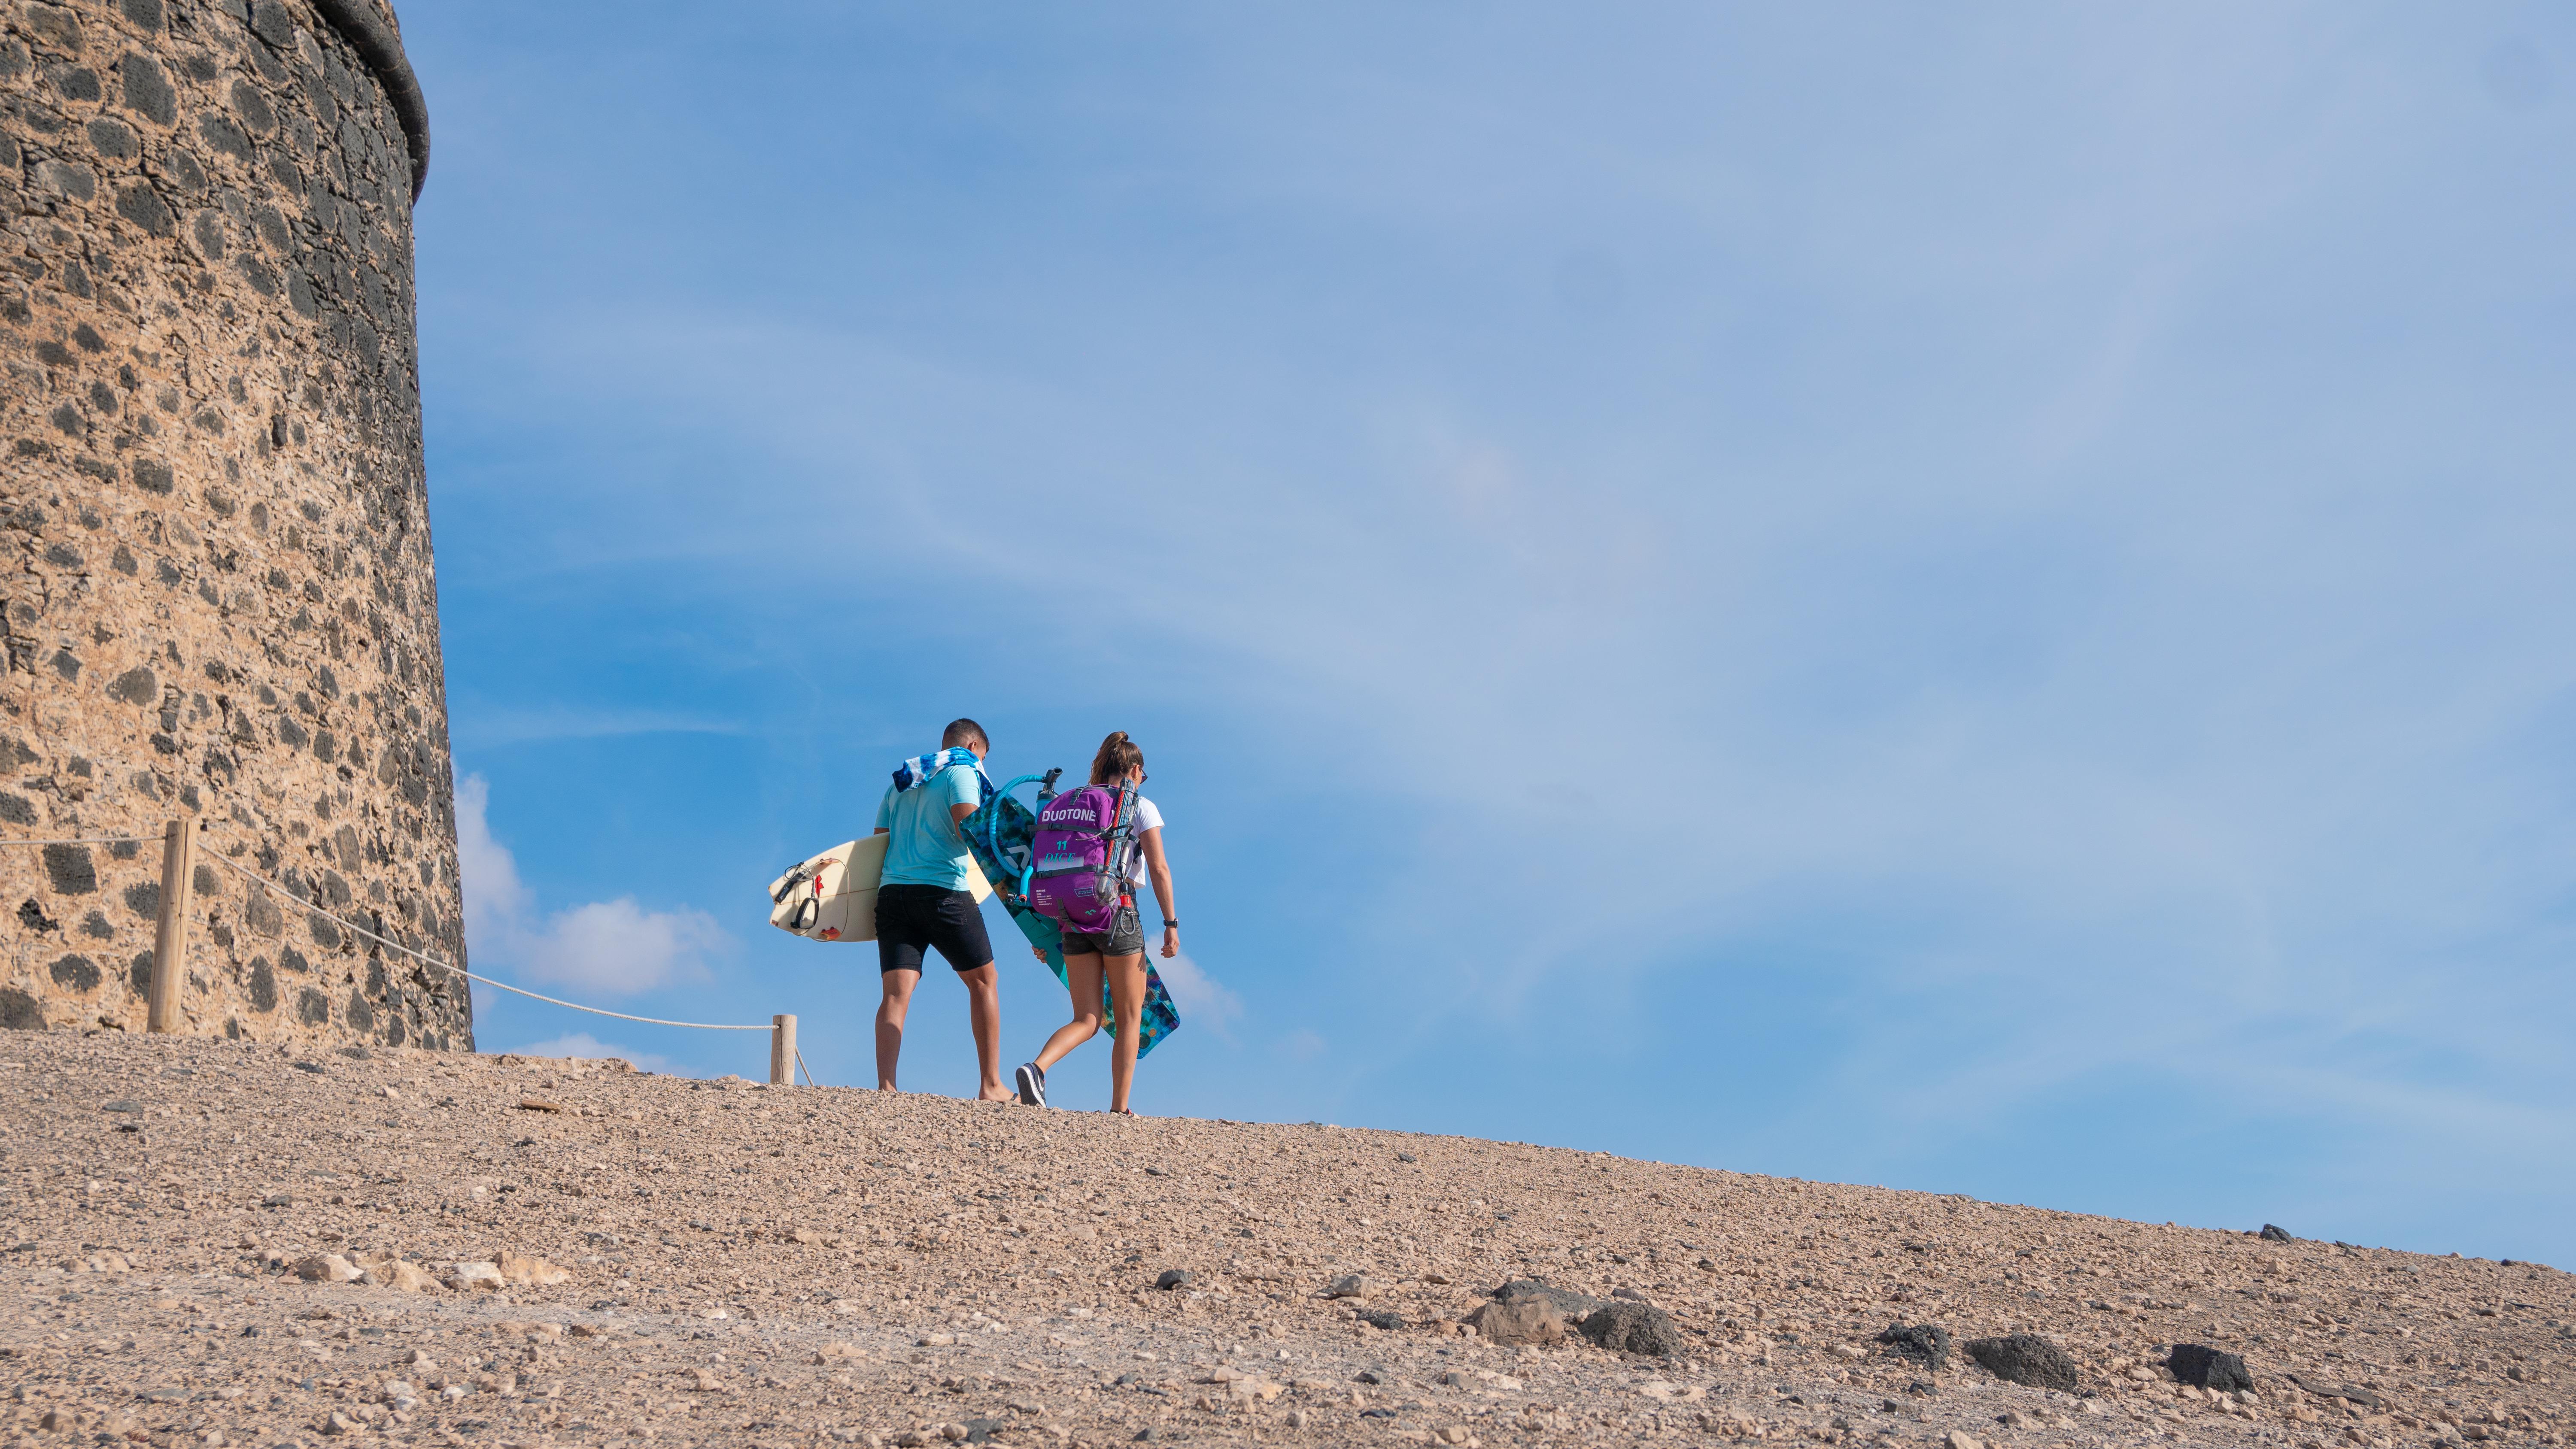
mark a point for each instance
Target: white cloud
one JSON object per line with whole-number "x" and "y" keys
{"x": 582, "y": 1045}
{"x": 493, "y": 893}
{"x": 1303, "y": 1045}
{"x": 1198, "y": 995}
{"x": 619, "y": 946}
{"x": 605, "y": 947}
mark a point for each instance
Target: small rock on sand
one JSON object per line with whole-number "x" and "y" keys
{"x": 1573, "y": 1305}
{"x": 1926, "y": 1343}
{"x": 530, "y": 1272}
{"x": 326, "y": 1268}
{"x": 2027, "y": 1359}
{"x": 1626, "y": 1327}
{"x": 1527, "y": 1321}
{"x": 400, "y": 1276}
{"x": 2204, "y": 1367}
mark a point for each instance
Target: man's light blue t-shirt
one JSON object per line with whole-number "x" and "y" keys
{"x": 923, "y": 846}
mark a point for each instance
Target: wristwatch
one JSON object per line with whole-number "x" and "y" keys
{"x": 1171, "y": 925}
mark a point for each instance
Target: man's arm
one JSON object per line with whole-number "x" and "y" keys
{"x": 964, "y": 794}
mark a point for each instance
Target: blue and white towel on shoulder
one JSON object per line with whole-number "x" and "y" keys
{"x": 922, "y": 767}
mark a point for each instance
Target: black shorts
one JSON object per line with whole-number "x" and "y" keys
{"x": 1125, "y": 937}
{"x": 911, "y": 918}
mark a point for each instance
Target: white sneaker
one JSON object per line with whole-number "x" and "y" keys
{"x": 1032, "y": 1079}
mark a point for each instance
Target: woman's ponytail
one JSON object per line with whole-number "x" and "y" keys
{"x": 1118, "y": 755}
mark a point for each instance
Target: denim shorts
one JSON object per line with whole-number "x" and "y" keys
{"x": 1125, "y": 937}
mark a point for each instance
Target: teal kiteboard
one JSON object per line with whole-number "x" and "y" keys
{"x": 1000, "y": 834}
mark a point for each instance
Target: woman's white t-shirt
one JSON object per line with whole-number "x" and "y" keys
{"x": 1147, "y": 818}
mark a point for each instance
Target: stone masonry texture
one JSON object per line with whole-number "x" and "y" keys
{"x": 217, "y": 581}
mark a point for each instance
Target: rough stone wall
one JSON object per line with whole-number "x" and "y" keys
{"x": 216, "y": 582}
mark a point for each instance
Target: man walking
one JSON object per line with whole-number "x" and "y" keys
{"x": 923, "y": 902}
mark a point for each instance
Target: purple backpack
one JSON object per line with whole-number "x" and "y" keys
{"x": 1079, "y": 859}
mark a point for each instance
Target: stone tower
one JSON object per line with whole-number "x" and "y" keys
{"x": 217, "y": 585}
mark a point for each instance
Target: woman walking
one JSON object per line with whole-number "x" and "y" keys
{"x": 1117, "y": 953}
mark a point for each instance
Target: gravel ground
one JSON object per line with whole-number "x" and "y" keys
{"x": 741, "y": 1264}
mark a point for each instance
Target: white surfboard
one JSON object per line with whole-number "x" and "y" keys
{"x": 833, "y": 897}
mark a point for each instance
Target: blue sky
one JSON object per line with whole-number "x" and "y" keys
{"x": 1973, "y": 600}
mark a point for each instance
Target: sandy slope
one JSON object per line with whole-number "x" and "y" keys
{"x": 759, "y": 1266}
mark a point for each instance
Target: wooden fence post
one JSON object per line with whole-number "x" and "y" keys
{"x": 782, "y": 1050}
{"x": 170, "y": 951}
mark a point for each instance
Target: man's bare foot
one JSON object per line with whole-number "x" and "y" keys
{"x": 994, "y": 1094}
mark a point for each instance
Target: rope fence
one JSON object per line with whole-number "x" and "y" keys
{"x": 356, "y": 929}
{"x": 170, "y": 950}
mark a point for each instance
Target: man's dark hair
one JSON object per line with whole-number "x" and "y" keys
{"x": 966, "y": 731}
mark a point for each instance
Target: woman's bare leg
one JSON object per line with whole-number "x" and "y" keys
{"x": 1127, "y": 999}
{"x": 1082, "y": 979}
